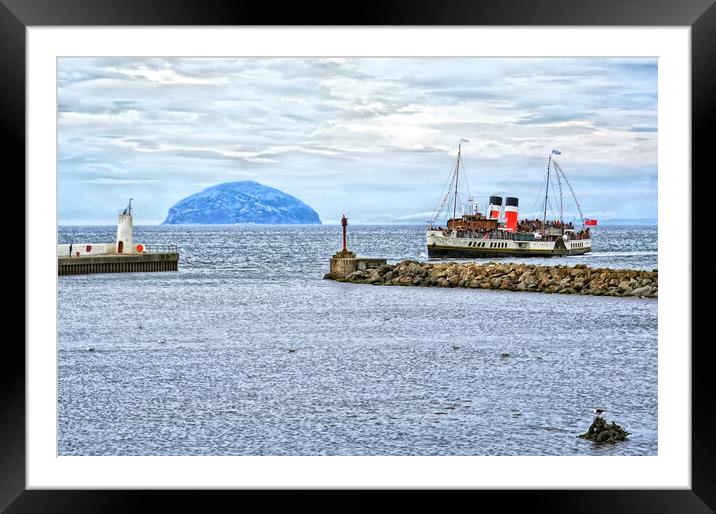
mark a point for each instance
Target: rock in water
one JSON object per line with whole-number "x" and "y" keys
{"x": 241, "y": 202}
{"x": 602, "y": 432}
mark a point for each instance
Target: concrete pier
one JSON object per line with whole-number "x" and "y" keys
{"x": 117, "y": 263}
{"x": 345, "y": 262}
{"x": 122, "y": 256}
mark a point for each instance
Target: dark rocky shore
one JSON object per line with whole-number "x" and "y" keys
{"x": 578, "y": 279}
{"x": 602, "y": 432}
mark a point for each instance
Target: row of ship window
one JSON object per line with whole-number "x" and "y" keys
{"x": 491, "y": 245}
{"x": 578, "y": 245}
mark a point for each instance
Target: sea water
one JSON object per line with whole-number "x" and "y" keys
{"x": 246, "y": 350}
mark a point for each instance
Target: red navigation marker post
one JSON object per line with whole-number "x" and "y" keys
{"x": 344, "y": 222}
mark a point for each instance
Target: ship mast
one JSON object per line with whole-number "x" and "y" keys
{"x": 457, "y": 178}
{"x": 546, "y": 191}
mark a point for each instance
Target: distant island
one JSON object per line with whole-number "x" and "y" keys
{"x": 241, "y": 202}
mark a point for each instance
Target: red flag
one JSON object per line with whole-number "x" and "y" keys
{"x": 590, "y": 222}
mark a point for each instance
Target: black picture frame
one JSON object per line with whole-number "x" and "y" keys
{"x": 699, "y": 15}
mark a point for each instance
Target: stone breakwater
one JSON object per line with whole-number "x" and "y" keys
{"x": 578, "y": 279}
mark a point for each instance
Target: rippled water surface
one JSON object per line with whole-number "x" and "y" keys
{"x": 197, "y": 362}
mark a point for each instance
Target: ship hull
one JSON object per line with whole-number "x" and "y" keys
{"x": 462, "y": 253}
{"x": 459, "y": 247}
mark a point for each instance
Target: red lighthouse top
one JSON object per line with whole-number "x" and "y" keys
{"x": 344, "y": 222}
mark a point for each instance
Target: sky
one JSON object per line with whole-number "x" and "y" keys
{"x": 374, "y": 138}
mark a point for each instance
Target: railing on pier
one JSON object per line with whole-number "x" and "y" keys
{"x": 160, "y": 248}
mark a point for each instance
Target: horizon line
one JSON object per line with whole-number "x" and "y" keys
{"x": 616, "y": 221}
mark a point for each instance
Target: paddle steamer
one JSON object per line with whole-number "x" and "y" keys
{"x": 499, "y": 232}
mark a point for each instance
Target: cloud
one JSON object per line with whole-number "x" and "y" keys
{"x": 375, "y": 136}
{"x": 162, "y": 76}
{"x": 415, "y": 216}
{"x": 118, "y": 181}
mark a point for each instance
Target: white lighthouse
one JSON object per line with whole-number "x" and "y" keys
{"x": 124, "y": 230}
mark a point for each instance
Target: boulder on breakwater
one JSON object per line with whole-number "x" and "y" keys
{"x": 602, "y": 432}
{"x": 578, "y": 279}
